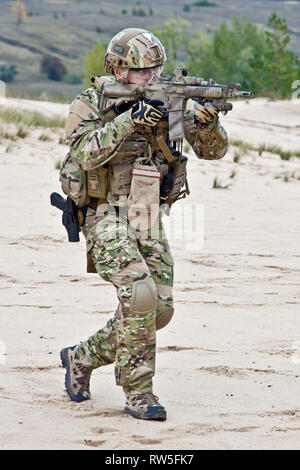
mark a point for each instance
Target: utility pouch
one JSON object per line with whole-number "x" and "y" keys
{"x": 72, "y": 177}
{"x": 143, "y": 200}
{"x": 73, "y": 181}
{"x": 121, "y": 179}
{"x": 179, "y": 175}
{"x": 97, "y": 182}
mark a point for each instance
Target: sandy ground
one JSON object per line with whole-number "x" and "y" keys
{"x": 228, "y": 365}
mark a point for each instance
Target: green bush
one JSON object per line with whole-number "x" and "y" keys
{"x": 138, "y": 12}
{"x": 53, "y": 67}
{"x": 94, "y": 63}
{"x": 73, "y": 79}
{"x": 204, "y": 3}
{"x": 8, "y": 73}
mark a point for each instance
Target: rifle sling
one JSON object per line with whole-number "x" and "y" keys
{"x": 165, "y": 149}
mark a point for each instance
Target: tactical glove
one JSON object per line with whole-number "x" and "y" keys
{"x": 205, "y": 114}
{"x": 145, "y": 112}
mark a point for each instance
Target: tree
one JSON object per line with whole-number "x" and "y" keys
{"x": 232, "y": 48}
{"x": 53, "y": 67}
{"x": 174, "y": 38}
{"x": 19, "y": 9}
{"x": 200, "y": 60}
{"x": 281, "y": 64}
{"x": 245, "y": 53}
{"x": 8, "y": 72}
{"x": 94, "y": 63}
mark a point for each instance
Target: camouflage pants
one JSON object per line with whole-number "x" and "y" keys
{"x": 129, "y": 339}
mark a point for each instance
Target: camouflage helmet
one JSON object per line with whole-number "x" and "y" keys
{"x": 134, "y": 48}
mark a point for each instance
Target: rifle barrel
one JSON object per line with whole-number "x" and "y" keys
{"x": 215, "y": 92}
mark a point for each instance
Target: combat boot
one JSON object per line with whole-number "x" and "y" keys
{"x": 77, "y": 379}
{"x": 144, "y": 406}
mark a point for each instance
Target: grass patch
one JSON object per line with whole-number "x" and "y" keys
{"x": 218, "y": 184}
{"x": 9, "y": 148}
{"x": 44, "y": 138}
{"x": 7, "y": 135}
{"x": 21, "y": 132}
{"x": 62, "y": 141}
{"x": 284, "y": 154}
{"x": 244, "y": 146}
{"x": 261, "y": 149}
{"x": 236, "y": 157}
{"x": 29, "y": 118}
{"x": 57, "y": 165}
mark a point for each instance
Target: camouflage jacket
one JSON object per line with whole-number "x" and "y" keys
{"x": 118, "y": 143}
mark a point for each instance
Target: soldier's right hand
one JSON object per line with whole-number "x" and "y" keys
{"x": 146, "y": 112}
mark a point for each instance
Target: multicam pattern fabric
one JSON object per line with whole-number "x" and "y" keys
{"x": 73, "y": 180}
{"x": 77, "y": 380}
{"x": 134, "y": 48}
{"x": 144, "y": 406}
{"x": 126, "y": 339}
{"x": 94, "y": 143}
{"x": 209, "y": 143}
{"x": 123, "y": 258}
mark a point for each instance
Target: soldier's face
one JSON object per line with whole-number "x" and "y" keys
{"x": 143, "y": 76}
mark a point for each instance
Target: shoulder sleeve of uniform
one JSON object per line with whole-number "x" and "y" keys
{"x": 207, "y": 143}
{"x": 83, "y": 108}
{"x": 95, "y": 143}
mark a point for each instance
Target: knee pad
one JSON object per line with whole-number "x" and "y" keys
{"x": 143, "y": 299}
{"x": 164, "y": 318}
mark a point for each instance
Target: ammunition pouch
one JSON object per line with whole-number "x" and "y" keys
{"x": 73, "y": 181}
{"x": 174, "y": 185}
{"x": 97, "y": 183}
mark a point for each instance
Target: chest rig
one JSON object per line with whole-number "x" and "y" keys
{"x": 148, "y": 144}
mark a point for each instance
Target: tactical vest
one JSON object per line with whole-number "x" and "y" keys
{"x": 110, "y": 182}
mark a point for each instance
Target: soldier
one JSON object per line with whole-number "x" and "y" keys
{"x": 107, "y": 141}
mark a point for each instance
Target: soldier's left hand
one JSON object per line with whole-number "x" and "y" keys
{"x": 205, "y": 114}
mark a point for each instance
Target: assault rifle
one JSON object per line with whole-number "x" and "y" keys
{"x": 174, "y": 90}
